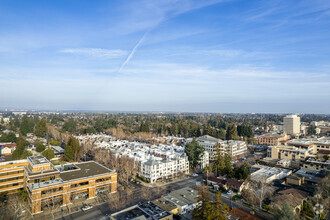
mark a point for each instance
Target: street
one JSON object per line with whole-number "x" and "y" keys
{"x": 99, "y": 211}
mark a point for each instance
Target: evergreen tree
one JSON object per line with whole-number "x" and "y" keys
{"x": 10, "y": 137}
{"x": 194, "y": 152}
{"x": 210, "y": 209}
{"x": 285, "y": 213}
{"x": 48, "y": 153}
{"x": 311, "y": 130}
{"x": 40, "y": 147}
{"x": 41, "y": 128}
{"x": 72, "y": 149}
{"x": 68, "y": 153}
{"x": 18, "y": 152}
{"x": 26, "y": 125}
{"x": 231, "y": 133}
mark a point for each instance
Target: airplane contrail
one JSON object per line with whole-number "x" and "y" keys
{"x": 133, "y": 51}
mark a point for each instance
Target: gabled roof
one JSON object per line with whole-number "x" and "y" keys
{"x": 293, "y": 197}
{"x": 243, "y": 215}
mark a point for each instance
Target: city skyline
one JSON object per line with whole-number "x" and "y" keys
{"x": 179, "y": 56}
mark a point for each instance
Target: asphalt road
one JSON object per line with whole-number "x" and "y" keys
{"x": 100, "y": 211}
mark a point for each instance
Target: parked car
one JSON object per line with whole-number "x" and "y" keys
{"x": 228, "y": 192}
{"x": 86, "y": 207}
{"x": 194, "y": 174}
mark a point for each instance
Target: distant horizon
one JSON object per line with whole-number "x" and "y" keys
{"x": 151, "y": 111}
{"x": 178, "y": 56}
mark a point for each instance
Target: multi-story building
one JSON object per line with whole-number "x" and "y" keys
{"x": 271, "y": 139}
{"x": 316, "y": 165}
{"x": 305, "y": 143}
{"x": 48, "y": 184}
{"x": 205, "y": 160}
{"x": 288, "y": 152}
{"x": 154, "y": 170}
{"x": 210, "y": 144}
{"x": 232, "y": 147}
{"x": 235, "y": 148}
{"x": 12, "y": 176}
{"x": 291, "y": 124}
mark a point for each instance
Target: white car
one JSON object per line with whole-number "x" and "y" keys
{"x": 194, "y": 174}
{"x": 86, "y": 207}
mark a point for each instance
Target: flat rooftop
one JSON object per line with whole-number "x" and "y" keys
{"x": 36, "y": 160}
{"x": 86, "y": 169}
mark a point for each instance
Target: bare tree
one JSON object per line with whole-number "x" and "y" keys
{"x": 257, "y": 191}
{"x": 17, "y": 208}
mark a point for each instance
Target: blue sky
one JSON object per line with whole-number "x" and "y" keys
{"x": 166, "y": 55}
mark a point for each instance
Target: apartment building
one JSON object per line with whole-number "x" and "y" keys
{"x": 271, "y": 139}
{"x": 291, "y": 124}
{"x": 205, "y": 160}
{"x": 232, "y": 147}
{"x": 58, "y": 185}
{"x": 235, "y": 148}
{"x": 209, "y": 143}
{"x": 154, "y": 170}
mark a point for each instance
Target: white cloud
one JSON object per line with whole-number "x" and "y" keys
{"x": 96, "y": 52}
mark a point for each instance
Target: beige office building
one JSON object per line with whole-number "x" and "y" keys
{"x": 291, "y": 124}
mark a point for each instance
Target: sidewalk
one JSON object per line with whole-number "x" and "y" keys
{"x": 160, "y": 184}
{"x": 62, "y": 211}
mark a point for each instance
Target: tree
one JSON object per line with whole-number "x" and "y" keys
{"x": 48, "y": 153}
{"x": 244, "y": 131}
{"x": 284, "y": 213}
{"x": 26, "y": 125}
{"x": 231, "y": 133}
{"x": 144, "y": 127}
{"x": 194, "y": 152}
{"x": 68, "y": 153}
{"x": 70, "y": 125}
{"x": 219, "y": 163}
{"x": 71, "y": 151}
{"x": 228, "y": 167}
{"x": 241, "y": 172}
{"x": 18, "y": 152}
{"x": 40, "y": 147}
{"x": 10, "y": 137}
{"x": 40, "y": 129}
{"x": 257, "y": 191}
{"x": 209, "y": 209}
{"x": 311, "y": 130}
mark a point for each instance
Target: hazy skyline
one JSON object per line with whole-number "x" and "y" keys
{"x": 204, "y": 56}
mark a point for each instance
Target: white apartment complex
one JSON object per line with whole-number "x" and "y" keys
{"x": 154, "y": 170}
{"x": 155, "y": 161}
{"x": 291, "y": 124}
{"x": 232, "y": 147}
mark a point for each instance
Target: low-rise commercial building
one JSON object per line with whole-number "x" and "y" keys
{"x": 185, "y": 199}
{"x": 46, "y": 184}
{"x": 268, "y": 174}
{"x": 142, "y": 211}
